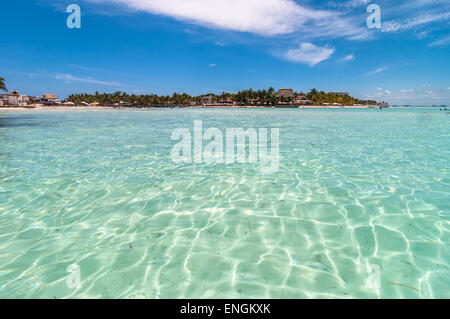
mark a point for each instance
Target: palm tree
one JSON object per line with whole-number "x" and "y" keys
{"x": 2, "y": 85}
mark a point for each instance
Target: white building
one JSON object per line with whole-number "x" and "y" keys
{"x": 14, "y": 99}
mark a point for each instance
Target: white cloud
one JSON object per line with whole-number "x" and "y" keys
{"x": 263, "y": 17}
{"x": 268, "y": 17}
{"x": 441, "y": 42}
{"x": 407, "y": 91}
{"x": 221, "y": 43}
{"x": 388, "y": 92}
{"x": 83, "y": 67}
{"x": 309, "y": 53}
{"x": 377, "y": 71}
{"x": 212, "y": 65}
{"x": 422, "y": 35}
{"x": 349, "y": 57}
{"x": 401, "y": 25}
{"x": 71, "y": 78}
{"x": 358, "y": 3}
{"x": 391, "y": 26}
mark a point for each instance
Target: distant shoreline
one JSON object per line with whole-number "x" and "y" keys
{"x": 77, "y": 108}
{"x": 50, "y": 108}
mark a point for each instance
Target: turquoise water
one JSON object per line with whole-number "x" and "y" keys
{"x": 356, "y": 191}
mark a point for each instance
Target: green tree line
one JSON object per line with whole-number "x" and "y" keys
{"x": 246, "y": 97}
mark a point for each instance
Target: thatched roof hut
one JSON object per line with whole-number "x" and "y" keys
{"x": 47, "y": 97}
{"x": 286, "y": 93}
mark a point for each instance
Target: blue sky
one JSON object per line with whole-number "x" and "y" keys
{"x": 203, "y": 46}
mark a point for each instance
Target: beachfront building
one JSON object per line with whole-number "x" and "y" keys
{"x": 285, "y": 97}
{"x": 301, "y": 99}
{"x": 124, "y": 104}
{"x": 50, "y": 99}
{"x": 207, "y": 100}
{"x": 288, "y": 98}
{"x": 35, "y": 99}
{"x": 226, "y": 102}
{"x": 14, "y": 99}
{"x": 285, "y": 93}
{"x": 212, "y": 101}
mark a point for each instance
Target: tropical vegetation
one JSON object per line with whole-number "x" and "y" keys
{"x": 246, "y": 97}
{"x": 2, "y": 85}
{"x": 321, "y": 98}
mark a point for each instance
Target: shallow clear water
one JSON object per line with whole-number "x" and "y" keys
{"x": 357, "y": 191}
